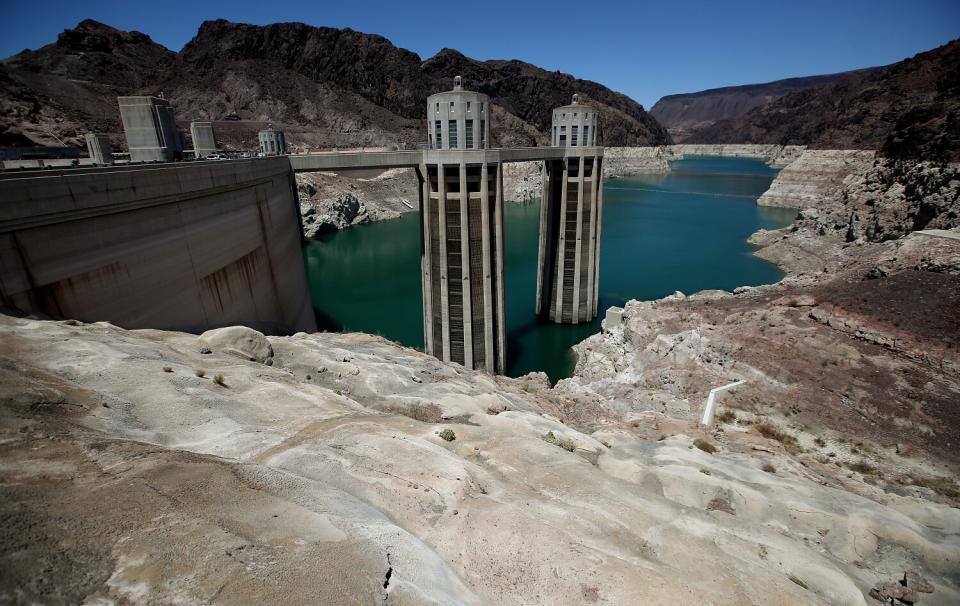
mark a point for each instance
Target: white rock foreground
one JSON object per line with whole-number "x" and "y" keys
{"x": 322, "y": 478}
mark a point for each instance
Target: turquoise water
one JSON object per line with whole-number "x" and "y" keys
{"x": 685, "y": 230}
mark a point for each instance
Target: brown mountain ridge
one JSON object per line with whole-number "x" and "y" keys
{"x": 910, "y": 109}
{"x": 325, "y": 86}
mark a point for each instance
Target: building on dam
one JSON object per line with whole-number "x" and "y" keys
{"x": 461, "y": 214}
{"x": 570, "y": 217}
{"x": 272, "y": 142}
{"x": 151, "y": 129}
{"x": 99, "y": 148}
{"x": 204, "y": 141}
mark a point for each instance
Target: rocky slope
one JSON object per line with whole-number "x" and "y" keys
{"x": 686, "y": 114}
{"x": 905, "y": 110}
{"x": 326, "y": 87}
{"x": 155, "y": 467}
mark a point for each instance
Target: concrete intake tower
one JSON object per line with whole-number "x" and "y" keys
{"x": 571, "y": 210}
{"x": 461, "y": 214}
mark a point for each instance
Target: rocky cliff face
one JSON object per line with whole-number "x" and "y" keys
{"x": 910, "y": 109}
{"x": 326, "y": 87}
{"x": 686, "y": 114}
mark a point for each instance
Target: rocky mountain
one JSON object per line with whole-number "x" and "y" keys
{"x": 325, "y": 86}
{"x": 688, "y": 113}
{"x": 910, "y": 109}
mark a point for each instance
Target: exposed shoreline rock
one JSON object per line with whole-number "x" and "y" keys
{"x": 332, "y": 201}
{"x": 814, "y": 178}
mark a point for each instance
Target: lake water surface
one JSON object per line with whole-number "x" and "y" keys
{"x": 685, "y": 230}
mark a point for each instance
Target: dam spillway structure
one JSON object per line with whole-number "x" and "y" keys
{"x": 461, "y": 214}
{"x": 571, "y": 211}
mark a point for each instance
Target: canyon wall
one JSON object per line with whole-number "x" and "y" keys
{"x": 172, "y": 246}
{"x": 776, "y": 156}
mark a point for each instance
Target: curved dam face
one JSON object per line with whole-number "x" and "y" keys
{"x": 184, "y": 246}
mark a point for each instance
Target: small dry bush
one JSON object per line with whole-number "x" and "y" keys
{"x": 220, "y": 380}
{"x": 704, "y": 445}
{"x": 727, "y": 416}
{"x": 862, "y": 467}
{"x": 768, "y": 430}
{"x": 427, "y": 413}
{"x": 200, "y": 372}
{"x": 767, "y": 467}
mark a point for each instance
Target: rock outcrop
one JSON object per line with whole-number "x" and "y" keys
{"x": 522, "y": 181}
{"x": 330, "y": 201}
{"x": 895, "y": 197}
{"x": 815, "y": 178}
{"x": 327, "y": 215}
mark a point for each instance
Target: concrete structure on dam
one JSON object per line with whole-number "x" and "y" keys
{"x": 272, "y": 142}
{"x": 571, "y": 211}
{"x": 575, "y": 125}
{"x": 183, "y": 246}
{"x": 204, "y": 142}
{"x": 461, "y": 214}
{"x": 151, "y": 129}
{"x": 99, "y": 148}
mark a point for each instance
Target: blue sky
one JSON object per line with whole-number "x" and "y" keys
{"x": 643, "y": 49}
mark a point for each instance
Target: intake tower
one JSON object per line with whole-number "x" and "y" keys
{"x": 570, "y": 215}
{"x": 461, "y": 214}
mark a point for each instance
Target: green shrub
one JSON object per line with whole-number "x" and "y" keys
{"x": 565, "y": 443}
{"x": 448, "y": 435}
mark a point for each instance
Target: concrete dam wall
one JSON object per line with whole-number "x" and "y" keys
{"x": 185, "y": 246}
